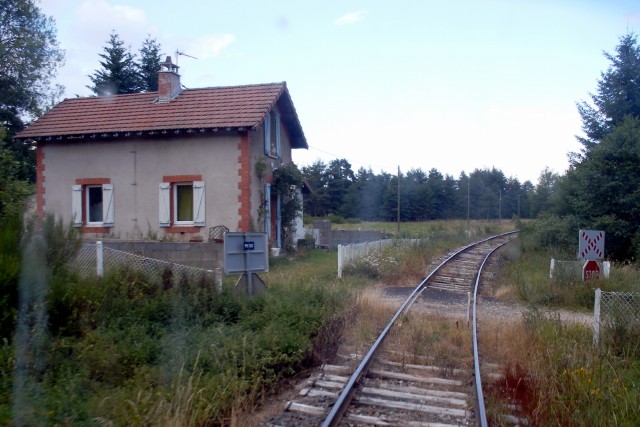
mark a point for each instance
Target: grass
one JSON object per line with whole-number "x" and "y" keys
{"x": 551, "y": 370}
{"x": 127, "y": 351}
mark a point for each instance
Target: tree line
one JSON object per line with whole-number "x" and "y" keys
{"x": 335, "y": 189}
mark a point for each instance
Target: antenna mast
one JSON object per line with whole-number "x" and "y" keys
{"x": 179, "y": 53}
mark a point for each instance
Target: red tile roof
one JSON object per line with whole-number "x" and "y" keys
{"x": 200, "y": 110}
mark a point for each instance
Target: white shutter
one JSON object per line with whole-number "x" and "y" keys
{"x": 198, "y": 203}
{"x": 107, "y": 205}
{"x": 267, "y": 210}
{"x": 165, "y": 204}
{"x": 267, "y": 134}
{"x": 278, "y": 152}
{"x": 76, "y": 205}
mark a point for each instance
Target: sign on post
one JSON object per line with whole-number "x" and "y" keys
{"x": 246, "y": 253}
{"x": 591, "y": 244}
{"x": 591, "y": 270}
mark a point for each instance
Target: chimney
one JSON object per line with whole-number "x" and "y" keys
{"x": 168, "y": 81}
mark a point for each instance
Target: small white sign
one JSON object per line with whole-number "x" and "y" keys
{"x": 591, "y": 244}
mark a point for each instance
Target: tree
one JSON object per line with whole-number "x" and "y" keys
{"x": 604, "y": 191}
{"x": 119, "y": 73}
{"x": 30, "y": 59}
{"x": 149, "y": 65}
{"x": 618, "y": 94}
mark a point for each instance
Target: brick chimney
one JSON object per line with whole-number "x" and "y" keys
{"x": 168, "y": 81}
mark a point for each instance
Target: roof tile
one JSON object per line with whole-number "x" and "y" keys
{"x": 206, "y": 108}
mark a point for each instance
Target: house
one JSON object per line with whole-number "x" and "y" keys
{"x": 170, "y": 164}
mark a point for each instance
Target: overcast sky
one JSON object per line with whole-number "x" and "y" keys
{"x": 450, "y": 85}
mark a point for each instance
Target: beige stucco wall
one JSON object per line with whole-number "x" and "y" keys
{"x": 136, "y": 167}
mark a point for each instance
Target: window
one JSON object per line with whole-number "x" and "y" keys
{"x": 182, "y": 203}
{"x": 92, "y": 203}
{"x": 272, "y": 134}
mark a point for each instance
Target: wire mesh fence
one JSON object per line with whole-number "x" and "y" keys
{"x": 615, "y": 310}
{"x": 94, "y": 259}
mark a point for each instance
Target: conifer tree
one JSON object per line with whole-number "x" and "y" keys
{"x": 119, "y": 73}
{"x": 149, "y": 65}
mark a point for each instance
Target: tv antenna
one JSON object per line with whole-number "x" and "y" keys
{"x": 179, "y": 53}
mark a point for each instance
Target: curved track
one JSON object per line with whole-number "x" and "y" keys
{"x": 385, "y": 390}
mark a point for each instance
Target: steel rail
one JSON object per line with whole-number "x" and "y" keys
{"x": 341, "y": 405}
{"x": 482, "y": 414}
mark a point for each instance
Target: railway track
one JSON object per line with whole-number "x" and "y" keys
{"x": 389, "y": 386}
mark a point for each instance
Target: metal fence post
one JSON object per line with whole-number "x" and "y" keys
{"x": 99, "y": 259}
{"x": 551, "y": 267}
{"x": 596, "y": 317}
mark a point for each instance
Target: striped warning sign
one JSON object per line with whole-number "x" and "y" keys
{"x": 591, "y": 244}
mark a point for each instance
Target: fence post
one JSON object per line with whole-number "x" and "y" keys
{"x": 551, "y": 267}
{"x": 596, "y": 317}
{"x": 99, "y": 259}
{"x": 340, "y": 255}
{"x": 217, "y": 278}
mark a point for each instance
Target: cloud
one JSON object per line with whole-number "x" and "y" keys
{"x": 210, "y": 46}
{"x": 95, "y": 19}
{"x": 350, "y": 18}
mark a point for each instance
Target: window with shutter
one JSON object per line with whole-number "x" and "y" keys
{"x": 92, "y": 203}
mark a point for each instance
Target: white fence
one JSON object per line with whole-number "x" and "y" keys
{"x": 610, "y": 308}
{"x": 96, "y": 259}
{"x": 347, "y": 254}
{"x": 572, "y": 270}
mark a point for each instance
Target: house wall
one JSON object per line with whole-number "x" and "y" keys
{"x": 256, "y": 139}
{"x": 135, "y": 168}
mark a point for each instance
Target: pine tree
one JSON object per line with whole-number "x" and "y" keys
{"x": 149, "y": 65}
{"x": 119, "y": 73}
{"x": 618, "y": 94}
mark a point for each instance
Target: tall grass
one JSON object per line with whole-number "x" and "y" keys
{"x": 125, "y": 350}
{"x": 556, "y": 377}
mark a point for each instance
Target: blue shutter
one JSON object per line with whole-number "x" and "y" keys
{"x": 278, "y": 149}
{"x": 267, "y": 210}
{"x": 278, "y": 223}
{"x": 267, "y": 134}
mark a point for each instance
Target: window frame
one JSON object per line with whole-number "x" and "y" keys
{"x": 176, "y": 199}
{"x": 81, "y": 209}
{"x": 168, "y": 203}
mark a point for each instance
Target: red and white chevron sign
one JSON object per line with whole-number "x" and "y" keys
{"x": 591, "y": 244}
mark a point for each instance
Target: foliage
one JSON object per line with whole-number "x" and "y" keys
{"x": 125, "y": 349}
{"x": 30, "y": 58}
{"x": 287, "y": 181}
{"x": 119, "y": 73}
{"x": 559, "y": 378}
{"x": 617, "y": 96}
{"x": 30, "y": 61}
{"x": 485, "y": 194}
{"x": 149, "y": 64}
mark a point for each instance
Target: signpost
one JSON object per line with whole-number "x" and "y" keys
{"x": 591, "y": 249}
{"x": 246, "y": 253}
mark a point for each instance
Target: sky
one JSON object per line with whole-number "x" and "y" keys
{"x": 448, "y": 85}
